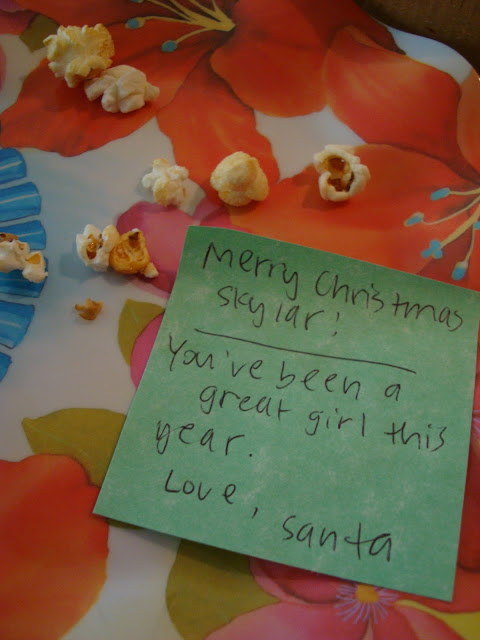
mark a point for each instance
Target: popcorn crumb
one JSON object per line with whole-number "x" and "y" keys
{"x": 150, "y": 271}
{"x": 166, "y": 182}
{"x": 94, "y": 246}
{"x": 15, "y": 254}
{"x": 239, "y": 179}
{"x": 122, "y": 88}
{"x": 90, "y": 309}
{"x": 341, "y": 173}
{"x": 79, "y": 53}
{"x": 130, "y": 255}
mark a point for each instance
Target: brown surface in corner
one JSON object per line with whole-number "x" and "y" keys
{"x": 454, "y": 22}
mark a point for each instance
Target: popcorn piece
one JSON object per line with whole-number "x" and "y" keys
{"x": 34, "y": 269}
{"x": 125, "y": 253}
{"x": 166, "y": 182}
{"x": 124, "y": 89}
{"x": 150, "y": 271}
{"x": 131, "y": 255}
{"x": 94, "y": 246}
{"x": 7, "y": 237}
{"x": 16, "y": 255}
{"x": 90, "y": 309}
{"x": 12, "y": 252}
{"x": 239, "y": 179}
{"x": 341, "y": 173}
{"x": 79, "y": 53}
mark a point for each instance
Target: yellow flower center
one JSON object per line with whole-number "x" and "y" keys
{"x": 363, "y": 603}
{"x": 366, "y": 593}
{"x": 189, "y": 12}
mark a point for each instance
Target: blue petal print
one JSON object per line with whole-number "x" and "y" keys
{"x": 4, "y": 364}
{"x": 32, "y": 232}
{"x": 15, "y": 284}
{"x": 15, "y": 319}
{"x": 12, "y": 165}
{"x": 19, "y": 199}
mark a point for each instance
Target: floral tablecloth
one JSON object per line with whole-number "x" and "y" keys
{"x": 278, "y": 79}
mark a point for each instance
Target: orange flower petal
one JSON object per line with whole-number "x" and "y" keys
{"x": 91, "y": 11}
{"x": 389, "y": 98}
{"x": 263, "y": 66}
{"x": 86, "y": 12}
{"x": 50, "y": 116}
{"x": 141, "y": 48}
{"x": 273, "y": 59}
{"x": 213, "y": 125}
{"x": 52, "y": 549}
{"x": 33, "y": 121}
{"x": 370, "y": 226}
{"x": 469, "y": 121}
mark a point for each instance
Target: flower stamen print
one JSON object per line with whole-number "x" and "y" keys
{"x": 469, "y": 225}
{"x": 207, "y": 19}
{"x": 363, "y": 602}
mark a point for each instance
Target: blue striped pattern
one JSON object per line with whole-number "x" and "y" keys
{"x": 15, "y": 319}
{"x": 4, "y": 364}
{"x": 32, "y": 232}
{"x": 18, "y": 199}
{"x": 12, "y": 165}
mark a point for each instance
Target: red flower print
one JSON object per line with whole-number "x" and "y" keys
{"x": 214, "y": 62}
{"x": 313, "y": 606}
{"x": 53, "y": 551}
{"x": 420, "y": 211}
{"x": 388, "y": 98}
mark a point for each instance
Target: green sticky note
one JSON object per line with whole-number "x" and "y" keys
{"x": 306, "y": 408}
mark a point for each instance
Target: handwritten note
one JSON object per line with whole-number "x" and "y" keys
{"x": 305, "y": 408}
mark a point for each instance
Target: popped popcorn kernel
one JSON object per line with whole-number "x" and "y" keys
{"x": 122, "y": 88}
{"x": 130, "y": 255}
{"x": 79, "y": 53}
{"x": 94, "y": 246}
{"x": 7, "y": 237}
{"x": 239, "y": 179}
{"x": 12, "y": 252}
{"x": 34, "y": 269}
{"x": 90, "y": 309}
{"x": 167, "y": 182}
{"x": 15, "y": 254}
{"x": 341, "y": 173}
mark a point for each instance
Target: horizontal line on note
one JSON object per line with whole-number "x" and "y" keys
{"x": 305, "y": 353}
